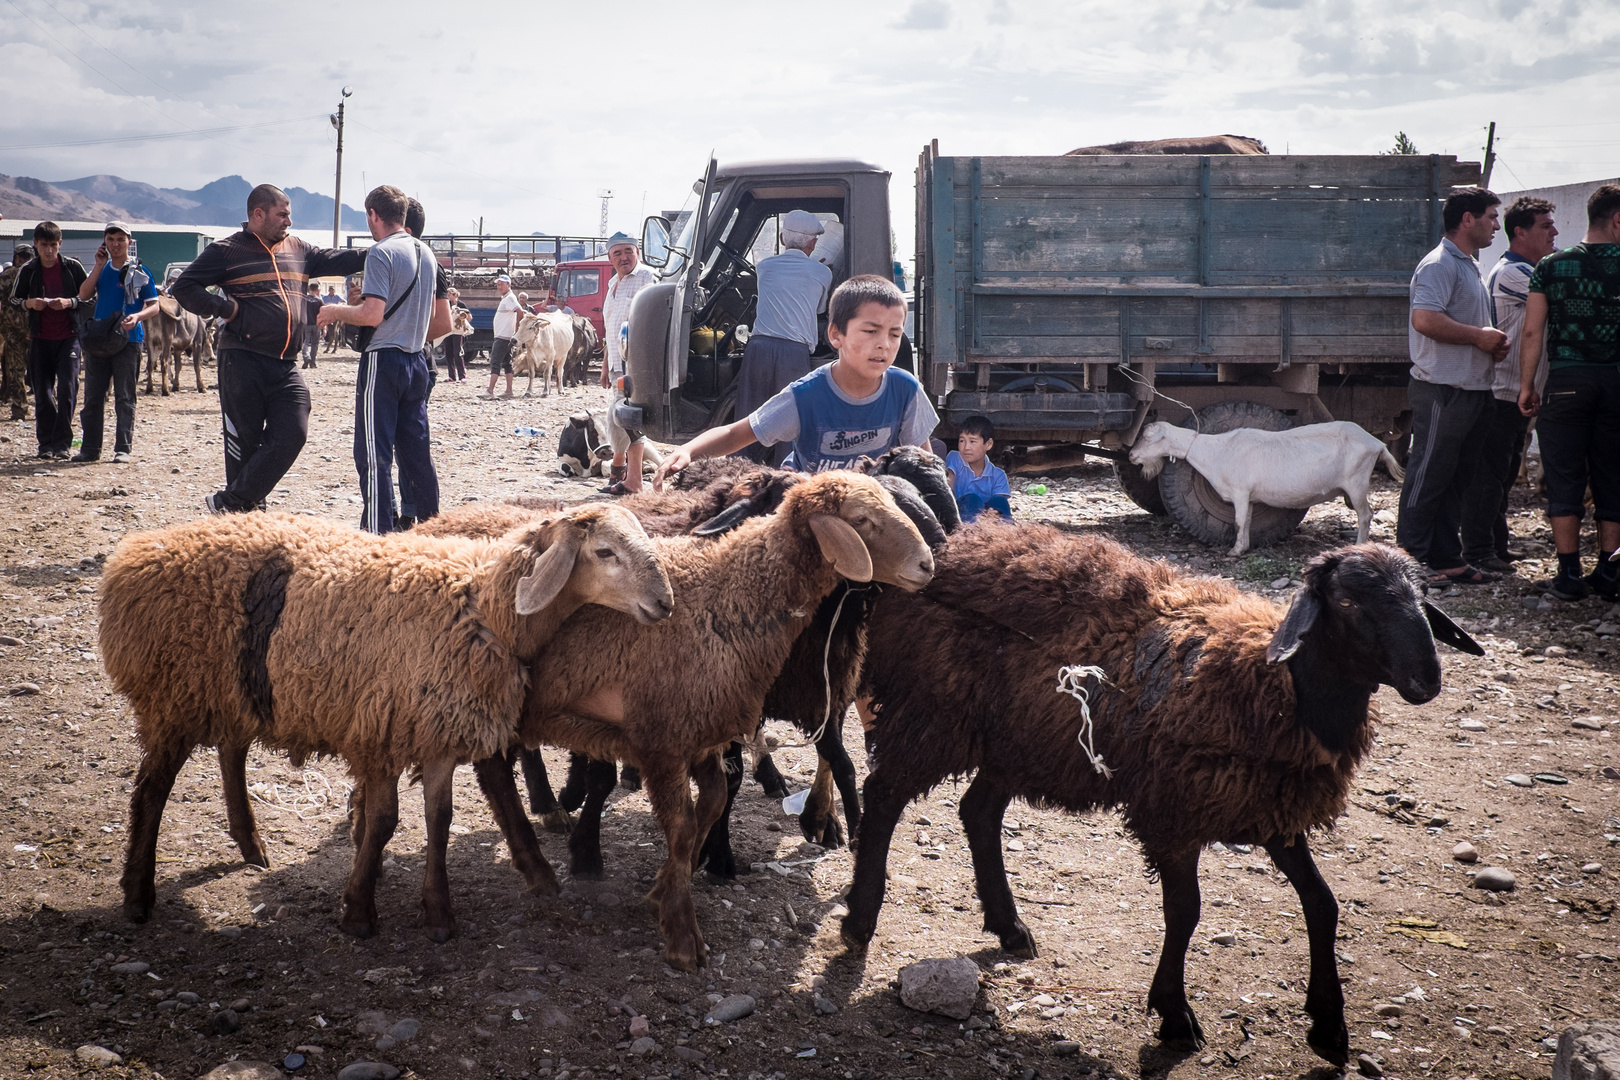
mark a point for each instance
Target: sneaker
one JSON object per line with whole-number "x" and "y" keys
{"x": 121, "y": 458}
{"x": 1565, "y": 587}
{"x": 212, "y": 504}
{"x": 46, "y": 455}
{"x": 61, "y": 455}
{"x": 1494, "y": 565}
{"x": 81, "y": 458}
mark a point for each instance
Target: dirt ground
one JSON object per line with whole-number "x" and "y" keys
{"x": 547, "y": 988}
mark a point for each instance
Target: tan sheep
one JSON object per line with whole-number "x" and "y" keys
{"x": 314, "y": 638}
{"x": 668, "y": 698}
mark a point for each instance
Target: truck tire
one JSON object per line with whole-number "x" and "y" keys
{"x": 1141, "y": 491}
{"x": 1195, "y": 506}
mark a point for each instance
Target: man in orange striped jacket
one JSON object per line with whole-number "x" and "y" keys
{"x": 262, "y": 274}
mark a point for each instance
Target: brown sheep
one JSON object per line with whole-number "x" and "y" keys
{"x": 1197, "y": 730}
{"x": 312, "y": 637}
{"x": 668, "y": 698}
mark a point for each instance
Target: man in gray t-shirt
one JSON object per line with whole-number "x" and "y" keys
{"x": 1454, "y": 348}
{"x": 391, "y": 391}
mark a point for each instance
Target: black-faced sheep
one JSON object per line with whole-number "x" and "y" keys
{"x": 668, "y": 698}
{"x": 315, "y": 638}
{"x": 1209, "y": 721}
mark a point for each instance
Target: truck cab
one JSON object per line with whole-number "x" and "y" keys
{"x": 582, "y": 285}
{"x": 686, "y": 341}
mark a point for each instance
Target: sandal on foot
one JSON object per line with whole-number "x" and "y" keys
{"x": 1463, "y": 575}
{"x": 617, "y": 488}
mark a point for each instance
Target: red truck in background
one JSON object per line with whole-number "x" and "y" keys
{"x": 582, "y": 286}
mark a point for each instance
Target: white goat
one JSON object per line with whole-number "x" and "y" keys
{"x": 1295, "y": 468}
{"x": 541, "y": 347}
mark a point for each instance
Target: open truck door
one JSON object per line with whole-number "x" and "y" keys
{"x": 661, "y": 320}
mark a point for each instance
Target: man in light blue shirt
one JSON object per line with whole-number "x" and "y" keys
{"x": 793, "y": 290}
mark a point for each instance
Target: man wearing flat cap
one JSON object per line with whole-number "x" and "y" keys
{"x": 793, "y": 290}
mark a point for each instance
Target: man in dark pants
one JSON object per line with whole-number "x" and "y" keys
{"x": 48, "y": 289}
{"x": 261, "y": 272}
{"x": 1453, "y": 348}
{"x": 312, "y": 333}
{"x": 390, "y": 400}
{"x": 14, "y": 337}
{"x": 793, "y": 290}
{"x": 1575, "y": 297}
{"x": 1531, "y": 232}
{"x": 416, "y": 224}
{"x": 117, "y": 284}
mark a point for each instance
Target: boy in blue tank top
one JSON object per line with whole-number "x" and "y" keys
{"x": 857, "y": 405}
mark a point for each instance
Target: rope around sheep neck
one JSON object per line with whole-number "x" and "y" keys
{"x": 1071, "y": 681}
{"x": 826, "y": 662}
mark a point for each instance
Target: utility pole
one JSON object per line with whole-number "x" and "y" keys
{"x": 337, "y": 184}
{"x": 1490, "y": 156}
{"x": 606, "y": 196}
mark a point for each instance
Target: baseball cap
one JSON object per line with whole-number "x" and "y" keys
{"x": 504, "y": 277}
{"x": 117, "y": 226}
{"x": 618, "y": 239}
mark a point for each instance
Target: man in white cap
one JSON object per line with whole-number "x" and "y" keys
{"x": 793, "y": 290}
{"x": 629, "y": 278}
{"x": 507, "y": 313}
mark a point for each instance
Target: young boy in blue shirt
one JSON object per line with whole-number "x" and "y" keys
{"x": 977, "y": 484}
{"x": 859, "y": 404}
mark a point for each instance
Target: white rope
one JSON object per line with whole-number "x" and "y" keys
{"x": 826, "y": 665}
{"x": 310, "y": 803}
{"x": 1072, "y": 681}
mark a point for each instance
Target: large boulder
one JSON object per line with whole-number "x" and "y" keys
{"x": 1589, "y": 1051}
{"x": 947, "y": 987}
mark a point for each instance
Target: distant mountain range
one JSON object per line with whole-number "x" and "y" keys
{"x": 100, "y": 198}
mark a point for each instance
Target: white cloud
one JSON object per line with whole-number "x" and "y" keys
{"x": 925, "y": 15}
{"x": 520, "y": 114}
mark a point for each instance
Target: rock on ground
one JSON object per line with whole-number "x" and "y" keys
{"x": 1589, "y": 1051}
{"x": 242, "y": 1069}
{"x": 948, "y": 987}
{"x": 732, "y": 1008}
{"x": 97, "y": 1057}
{"x": 1495, "y": 879}
{"x": 367, "y": 1070}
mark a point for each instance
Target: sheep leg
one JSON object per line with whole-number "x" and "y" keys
{"x": 713, "y": 800}
{"x": 1363, "y": 507}
{"x": 770, "y": 777}
{"x": 572, "y": 795}
{"x": 196, "y": 368}
{"x": 153, "y": 783}
{"x": 495, "y": 779}
{"x": 1240, "y": 507}
{"x": 1324, "y": 999}
{"x": 717, "y": 856}
{"x": 630, "y": 778}
{"x": 837, "y": 761}
{"x": 585, "y": 842}
{"x": 438, "y": 806}
{"x": 818, "y": 821}
{"x": 542, "y": 802}
{"x": 380, "y": 815}
{"x": 983, "y": 806}
{"x": 672, "y": 893}
{"x": 238, "y": 812}
{"x": 1178, "y": 881}
{"x": 884, "y": 805}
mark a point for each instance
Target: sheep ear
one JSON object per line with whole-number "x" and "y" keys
{"x": 1449, "y": 632}
{"x": 1302, "y": 615}
{"x": 549, "y": 574}
{"x": 842, "y": 546}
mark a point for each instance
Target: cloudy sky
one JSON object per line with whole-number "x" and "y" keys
{"x": 521, "y": 113}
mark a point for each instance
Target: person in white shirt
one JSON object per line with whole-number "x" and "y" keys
{"x": 630, "y": 277}
{"x": 507, "y": 313}
{"x": 793, "y": 290}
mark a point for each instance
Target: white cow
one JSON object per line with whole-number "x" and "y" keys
{"x": 1292, "y": 469}
{"x": 541, "y": 346}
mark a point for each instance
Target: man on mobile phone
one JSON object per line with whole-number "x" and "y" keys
{"x": 48, "y": 290}
{"x": 118, "y": 285}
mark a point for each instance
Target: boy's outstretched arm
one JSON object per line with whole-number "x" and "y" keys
{"x": 716, "y": 442}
